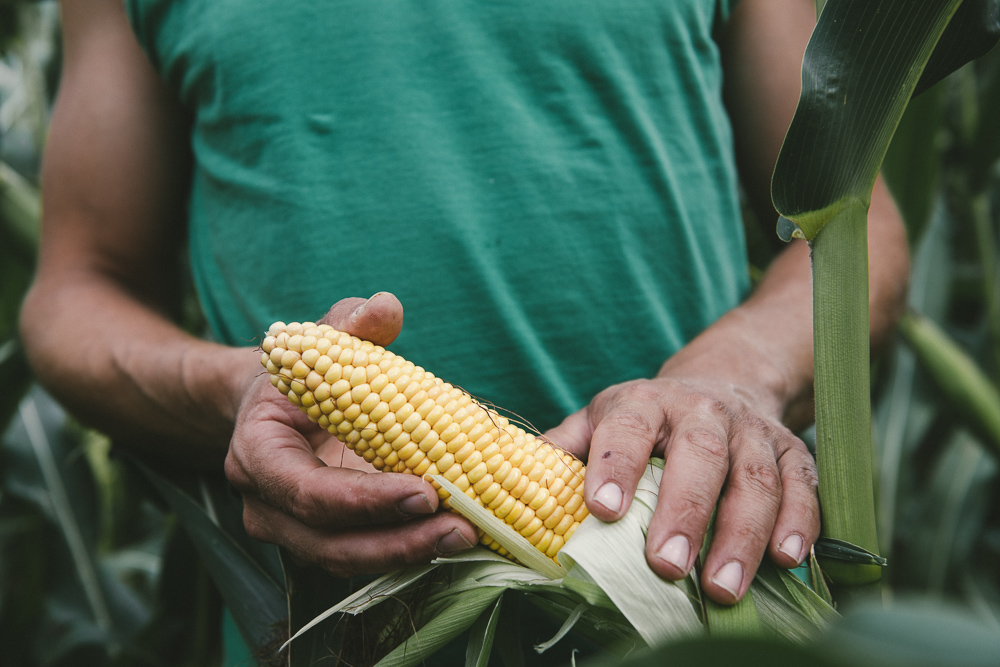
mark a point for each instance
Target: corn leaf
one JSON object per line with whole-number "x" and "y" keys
{"x": 912, "y": 165}
{"x": 905, "y": 410}
{"x": 861, "y": 66}
{"x": 953, "y": 509}
{"x": 972, "y": 32}
{"x": 911, "y": 634}
{"x": 20, "y": 207}
{"x": 15, "y": 376}
{"x": 967, "y": 387}
{"x": 248, "y": 585}
{"x": 65, "y": 514}
{"x": 860, "y": 69}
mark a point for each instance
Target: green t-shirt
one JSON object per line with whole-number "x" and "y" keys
{"x": 548, "y": 186}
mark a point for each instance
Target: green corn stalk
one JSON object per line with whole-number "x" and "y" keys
{"x": 862, "y": 65}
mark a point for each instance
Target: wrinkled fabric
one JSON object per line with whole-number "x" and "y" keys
{"x": 548, "y": 187}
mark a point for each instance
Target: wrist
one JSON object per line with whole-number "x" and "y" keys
{"x": 765, "y": 356}
{"x": 225, "y": 377}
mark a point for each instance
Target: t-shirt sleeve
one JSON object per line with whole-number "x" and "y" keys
{"x": 142, "y": 16}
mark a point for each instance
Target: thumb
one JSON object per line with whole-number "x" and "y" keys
{"x": 379, "y": 319}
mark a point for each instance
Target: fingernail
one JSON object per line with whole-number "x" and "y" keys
{"x": 792, "y": 546}
{"x": 676, "y": 551}
{"x": 730, "y": 577}
{"x": 610, "y": 495}
{"x": 452, "y": 542}
{"x": 416, "y": 504}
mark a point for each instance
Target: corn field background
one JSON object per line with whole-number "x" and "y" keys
{"x": 95, "y": 568}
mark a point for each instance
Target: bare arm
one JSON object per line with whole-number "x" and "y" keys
{"x": 97, "y": 322}
{"x": 721, "y": 409}
{"x": 99, "y": 334}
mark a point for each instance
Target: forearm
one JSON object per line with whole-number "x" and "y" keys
{"x": 763, "y": 346}
{"x": 766, "y": 343}
{"x": 124, "y": 368}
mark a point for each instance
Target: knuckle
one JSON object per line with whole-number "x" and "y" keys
{"x": 335, "y": 563}
{"x": 799, "y": 467}
{"x": 756, "y": 424}
{"x": 805, "y": 474}
{"x": 305, "y": 508}
{"x": 709, "y": 445}
{"x": 699, "y": 401}
{"x": 255, "y": 525}
{"x": 633, "y": 420}
{"x": 234, "y": 472}
{"x": 759, "y": 477}
{"x": 639, "y": 391}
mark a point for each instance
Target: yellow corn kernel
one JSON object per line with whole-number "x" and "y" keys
{"x": 399, "y": 417}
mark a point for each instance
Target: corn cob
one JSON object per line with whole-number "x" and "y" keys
{"x": 402, "y": 418}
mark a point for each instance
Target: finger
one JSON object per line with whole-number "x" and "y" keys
{"x": 367, "y": 550}
{"x": 798, "y": 521}
{"x": 378, "y": 319}
{"x": 695, "y": 469}
{"x": 619, "y": 450}
{"x": 745, "y": 519}
{"x": 270, "y": 459}
{"x": 573, "y": 434}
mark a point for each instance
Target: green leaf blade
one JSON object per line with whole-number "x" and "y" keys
{"x": 861, "y": 66}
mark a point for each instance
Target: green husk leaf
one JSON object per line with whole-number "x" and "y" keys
{"x": 581, "y": 583}
{"x": 605, "y": 628}
{"x": 369, "y": 596}
{"x": 613, "y": 555}
{"x": 501, "y": 531}
{"x": 788, "y": 609}
{"x": 442, "y": 627}
{"x": 812, "y": 604}
{"x": 739, "y": 620}
{"x": 567, "y": 625}
{"x": 817, "y": 581}
{"x": 477, "y": 654}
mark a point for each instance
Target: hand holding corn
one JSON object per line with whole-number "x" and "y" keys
{"x": 305, "y": 492}
{"x": 401, "y": 418}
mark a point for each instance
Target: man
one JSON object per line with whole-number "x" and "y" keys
{"x": 549, "y": 188}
